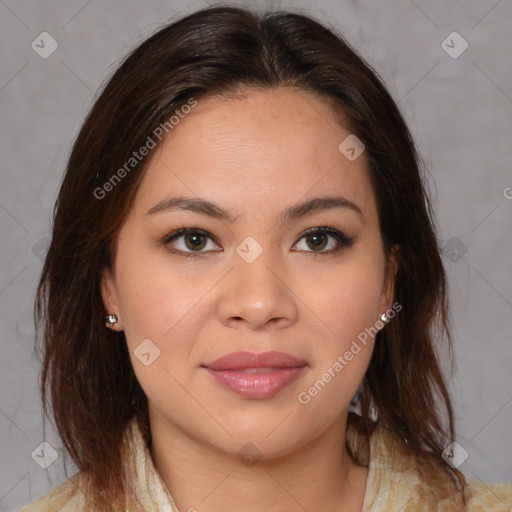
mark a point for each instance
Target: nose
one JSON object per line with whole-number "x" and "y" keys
{"x": 257, "y": 295}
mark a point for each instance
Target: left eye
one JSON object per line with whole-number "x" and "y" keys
{"x": 195, "y": 240}
{"x": 318, "y": 238}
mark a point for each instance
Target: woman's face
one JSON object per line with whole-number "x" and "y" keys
{"x": 251, "y": 279}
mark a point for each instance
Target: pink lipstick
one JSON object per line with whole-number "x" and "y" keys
{"x": 256, "y": 376}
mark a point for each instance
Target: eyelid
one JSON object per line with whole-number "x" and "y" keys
{"x": 183, "y": 230}
{"x": 340, "y": 236}
{"x": 342, "y": 239}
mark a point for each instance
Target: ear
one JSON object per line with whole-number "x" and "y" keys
{"x": 109, "y": 296}
{"x": 388, "y": 287}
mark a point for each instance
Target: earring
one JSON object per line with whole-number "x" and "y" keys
{"x": 110, "y": 320}
{"x": 384, "y": 317}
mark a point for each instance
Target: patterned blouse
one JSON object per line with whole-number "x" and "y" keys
{"x": 396, "y": 481}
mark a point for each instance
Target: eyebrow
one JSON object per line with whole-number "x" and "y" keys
{"x": 294, "y": 212}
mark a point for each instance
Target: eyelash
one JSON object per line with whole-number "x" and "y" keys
{"x": 341, "y": 238}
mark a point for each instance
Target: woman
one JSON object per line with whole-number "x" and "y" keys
{"x": 240, "y": 299}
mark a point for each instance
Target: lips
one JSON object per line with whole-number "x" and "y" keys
{"x": 256, "y": 376}
{"x": 248, "y": 360}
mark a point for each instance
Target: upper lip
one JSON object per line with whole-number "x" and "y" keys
{"x": 245, "y": 360}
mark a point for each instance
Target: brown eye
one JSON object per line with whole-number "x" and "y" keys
{"x": 187, "y": 241}
{"x": 317, "y": 239}
{"x": 191, "y": 242}
{"x": 194, "y": 241}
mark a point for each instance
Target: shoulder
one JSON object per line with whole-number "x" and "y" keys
{"x": 420, "y": 484}
{"x": 476, "y": 497}
{"x": 399, "y": 480}
{"x": 481, "y": 497}
{"x": 64, "y": 498}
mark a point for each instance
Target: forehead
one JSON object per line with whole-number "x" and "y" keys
{"x": 267, "y": 147}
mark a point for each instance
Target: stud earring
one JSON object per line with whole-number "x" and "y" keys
{"x": 110, "y": 320}
{"x": 384, "y": 317}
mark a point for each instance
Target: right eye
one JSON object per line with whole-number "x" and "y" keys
{"x": 192, "y": 240}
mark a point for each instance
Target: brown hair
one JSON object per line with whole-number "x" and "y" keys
{"x": 87, "y": 375}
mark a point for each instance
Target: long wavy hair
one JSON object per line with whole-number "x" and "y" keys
{"x": 87, "y": 378}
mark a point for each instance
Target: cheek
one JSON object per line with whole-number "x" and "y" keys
{"x": 153, "y": 297}
{"x": 160, "y": 305}
{"x": 345, "y": 299}
{"x": 155, "y": 306}
{"x": 343, "y": 344}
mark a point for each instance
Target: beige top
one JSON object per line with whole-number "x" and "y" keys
{"x": 396, "y": 482}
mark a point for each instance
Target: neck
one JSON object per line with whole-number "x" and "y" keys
{"x": 318, "y": 476}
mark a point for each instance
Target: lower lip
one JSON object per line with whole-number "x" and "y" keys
{"x": 256, "y": 385}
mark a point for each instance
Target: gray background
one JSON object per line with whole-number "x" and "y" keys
{"x": 459, "y": 110}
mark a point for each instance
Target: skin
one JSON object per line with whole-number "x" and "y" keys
{"x": 254, "y": 156}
